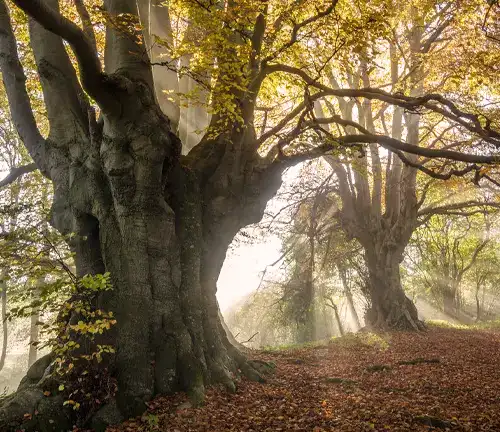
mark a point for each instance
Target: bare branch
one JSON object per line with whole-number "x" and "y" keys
{"x": 297, "y": 27}
{"x": 434, "y": 174}
{"x": 427, "y": 44}
{"x": 17, "y": 172}
{"x": 432, "y": 102}
{"x": 394, "y": 144}
{"x": 249, "y": 340}
{"x": 449, "y": 208}
{"x": 389, "y": 143}
{"x": 88, "y": 29}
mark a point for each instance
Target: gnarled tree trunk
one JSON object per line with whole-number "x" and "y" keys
{"x": 390, "y": 307}
{"x": 158, "y": 222}
{"x": 161, "y": 227}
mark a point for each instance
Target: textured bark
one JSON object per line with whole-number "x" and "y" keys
{"x": 159, "y": 222}
{"x": 390, "y": 307}
{"x": 161, "y": 226}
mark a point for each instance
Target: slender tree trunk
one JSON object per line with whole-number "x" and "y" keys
{"x": 35, "y": 318}
{"x": 390, "y": 307}
{"x": 337, "y": 318}
{"x": 478, "y": 303}
{"x": 349, "y": 298}
{"x": 3, "y": 294}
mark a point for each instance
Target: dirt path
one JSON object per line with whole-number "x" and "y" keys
{"x": 446, "y": 379}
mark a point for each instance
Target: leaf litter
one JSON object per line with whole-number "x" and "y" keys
{"x": 444, "y": 379}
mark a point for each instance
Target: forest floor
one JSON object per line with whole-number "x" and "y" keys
{"x": 444, "y": 379}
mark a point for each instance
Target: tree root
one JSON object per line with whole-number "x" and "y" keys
{"x": 37, "y": 405}
{"x": 344, "y": 381}
{"x": 378, "y": 368}
{"x": 434, "y": 422}
{"x": 418, "y": 360}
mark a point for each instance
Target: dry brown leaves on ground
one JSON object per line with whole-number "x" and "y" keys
{"x": 443, "y": 379}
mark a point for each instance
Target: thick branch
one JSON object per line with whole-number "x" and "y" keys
{"x": 393, "y": 144}
{"x": 88, "y": 29}
{"x": 89, "y": 64}
{"x": 434, "y": 174}
{"x": 125, "y": 51}
{"x": 14, "y": 81}
{"x": 67, "y": 106}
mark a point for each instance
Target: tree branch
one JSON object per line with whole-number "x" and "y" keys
{"x": 297, "y": 27}
{"x": 92, "y": 77}
{"x": 88, "y": 29}
{"x": 15, "y": 86}
{"x": 434, "y": 174}
{"x": 17, "y": 172}
{"x": 446, "y": 209}
{"x": 394, "y": 144}
{"x": 432, "y": 102}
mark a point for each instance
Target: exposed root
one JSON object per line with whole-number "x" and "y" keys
{"x": 396, "y": 316}
{"x": 38, "y": 405}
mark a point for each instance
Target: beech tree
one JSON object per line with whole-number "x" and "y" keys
{"x": 158, "y": 221}
{"x": 382, "y": 199}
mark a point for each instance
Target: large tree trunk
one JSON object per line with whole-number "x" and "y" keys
{"x": 390, "y": 307}
{"x": 161, "y": 226}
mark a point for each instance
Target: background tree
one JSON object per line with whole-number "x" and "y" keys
{"x": 448, "y": 248}
{"x": 29, "y": 250}
{"x": 161, "y": 222}
{"x": 382, "y": 199}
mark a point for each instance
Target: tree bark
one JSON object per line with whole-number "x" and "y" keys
{"x": 337, "y": 317}
{"x": 158, "y": 222}
{"x": 390, "y": 307}
{"x": 5, "y": 335}
{"x": 35, "y": 318}
{"x": 164, "y": 241}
